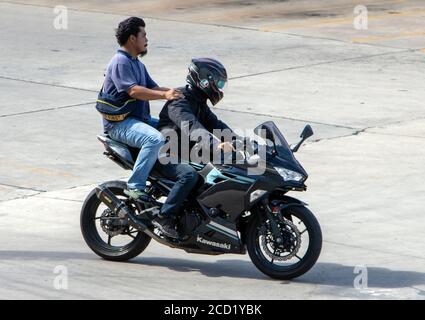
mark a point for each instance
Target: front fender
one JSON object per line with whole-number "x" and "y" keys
{"x": 289, "y": 201}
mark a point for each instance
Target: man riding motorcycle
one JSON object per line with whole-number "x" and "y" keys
{"x": 187, "y": 116}
{"x": 220, "y": 208}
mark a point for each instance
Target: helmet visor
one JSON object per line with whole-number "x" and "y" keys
{"x": 221, "y": 85}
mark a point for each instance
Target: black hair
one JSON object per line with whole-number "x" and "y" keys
{"x": 128, "y": 27}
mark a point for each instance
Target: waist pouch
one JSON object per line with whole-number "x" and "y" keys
{"x": 113, "y": 109}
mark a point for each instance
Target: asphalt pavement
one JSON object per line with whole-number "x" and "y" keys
{"x": 293, "y": 62}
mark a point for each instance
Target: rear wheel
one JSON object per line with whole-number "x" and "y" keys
{"x": 105, "y": 233}
{"x": 290, "y": 254}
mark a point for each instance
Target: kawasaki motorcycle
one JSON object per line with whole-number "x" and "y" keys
{"x": 229, "y": 211}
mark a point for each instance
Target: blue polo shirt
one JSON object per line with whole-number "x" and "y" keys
{"x": 122, "y": 73}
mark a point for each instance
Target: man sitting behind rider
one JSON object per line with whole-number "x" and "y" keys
{"x": 127, "y": 78}
{"x": 189, "y": 116}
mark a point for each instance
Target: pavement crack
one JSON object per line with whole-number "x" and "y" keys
{"x": 221, "y": 25}
{"x": 129, "y": 13}
{"x": 61, "y": 199}
{"x": 47, "y": 84}
{"x": 44, "y": 110}
{"x": 45, "y": 193}
{"x": 355, "y": 133}
{"x": 396, "y": 135}
{"x": 399, "y": 122}
{"x": 284, "y": 118}
{"x": 37, "y": 192}
{"x": 335, "y": 40}
{"x": 320, "y": 64}
{"x": 22, "y": 197}
{"x": 367, "y": 130}
{"x": 22, "y": 188}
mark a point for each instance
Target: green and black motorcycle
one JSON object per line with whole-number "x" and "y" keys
{"x": 229, "y": 211}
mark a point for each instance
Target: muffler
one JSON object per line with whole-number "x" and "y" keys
{"x": 118, "y": 207}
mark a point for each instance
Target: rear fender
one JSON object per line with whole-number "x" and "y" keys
{"x": 117, "y": 152}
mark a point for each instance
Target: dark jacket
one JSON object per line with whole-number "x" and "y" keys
{"x": 193, "y": 110}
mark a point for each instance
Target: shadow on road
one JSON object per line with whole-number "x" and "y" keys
{"x": 330, "y": 274}
{"x": 219, "y": 268}
{"x": 333, "y": 274}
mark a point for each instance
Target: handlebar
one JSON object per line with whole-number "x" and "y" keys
{"x": 246, "y": 148}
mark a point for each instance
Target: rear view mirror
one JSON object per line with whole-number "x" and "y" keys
{"x": 307, "y": 133}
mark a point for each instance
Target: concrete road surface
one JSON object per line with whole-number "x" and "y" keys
{"x": 360, "y": 85}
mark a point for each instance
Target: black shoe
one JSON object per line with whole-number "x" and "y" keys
{"x": 167, "y": 225}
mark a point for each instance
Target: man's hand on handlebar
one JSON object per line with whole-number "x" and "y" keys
{"x": 226, "y": 147}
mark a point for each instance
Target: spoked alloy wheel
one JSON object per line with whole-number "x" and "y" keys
{"x": 108, "y": 234}
{"x": 290, "y": 254}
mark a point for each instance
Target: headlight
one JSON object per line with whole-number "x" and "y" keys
{"x": 289, "y": 175}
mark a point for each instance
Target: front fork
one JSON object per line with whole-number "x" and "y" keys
{"x": 273, "y": 212}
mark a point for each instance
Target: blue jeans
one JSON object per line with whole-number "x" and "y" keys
{"x": 139, "y": 134}
{"x": 185, "y": 178}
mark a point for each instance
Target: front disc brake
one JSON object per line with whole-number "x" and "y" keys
{"x": 290, "y": 241}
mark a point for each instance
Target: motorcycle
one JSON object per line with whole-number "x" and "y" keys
{"x": 229, "y": 211}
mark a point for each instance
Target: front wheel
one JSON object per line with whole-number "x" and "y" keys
{"x": 290, "y": 254}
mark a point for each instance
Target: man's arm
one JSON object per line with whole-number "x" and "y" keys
{"x": 180, "y": 113}
{"x": 142, "y": 93}
{"x": 214, "y": 123}
{"x": 124, "y": 79}
{"x": 160, "y": 89}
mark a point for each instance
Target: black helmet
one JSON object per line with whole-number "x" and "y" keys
{"x": 208, "y": 75}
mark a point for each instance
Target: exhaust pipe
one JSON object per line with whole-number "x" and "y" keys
{"x": 116, "y": 205}
{"x": 107, "y": 197}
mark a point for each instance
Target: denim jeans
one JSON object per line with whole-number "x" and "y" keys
{"x": 139, "y": 134}
{"x": 185, "y": 177}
